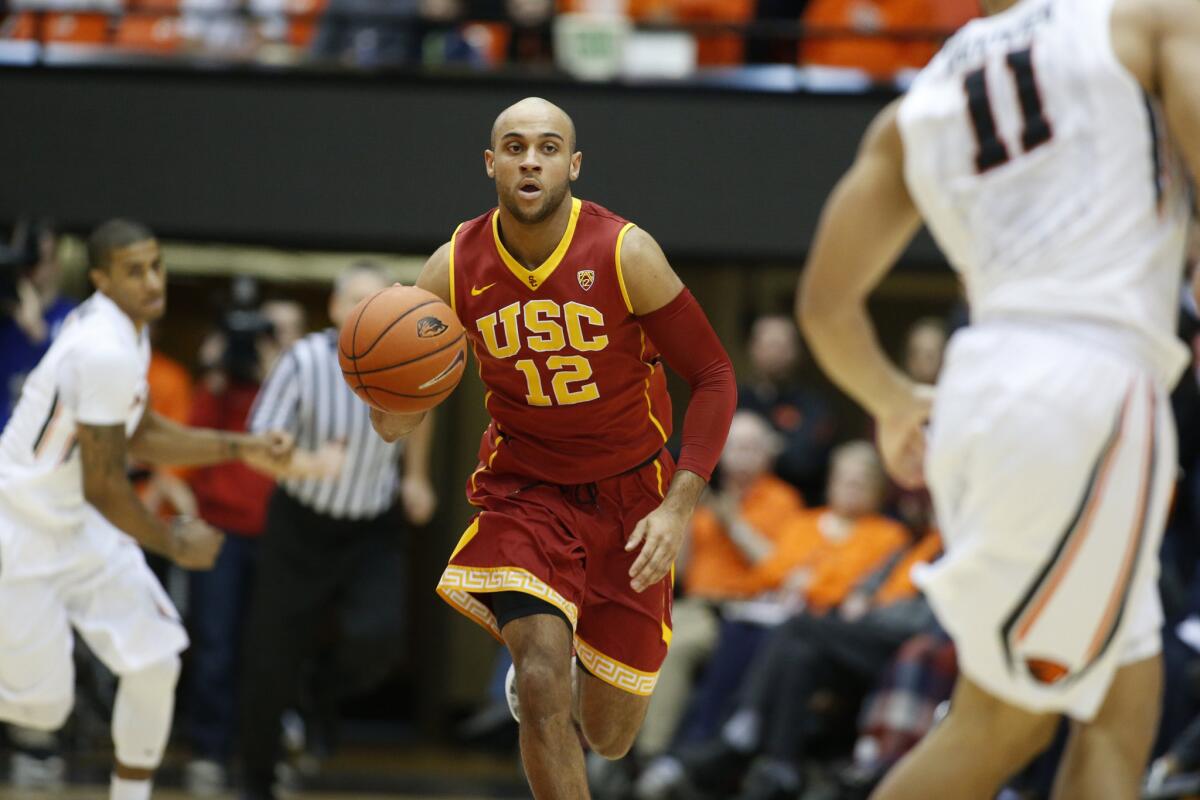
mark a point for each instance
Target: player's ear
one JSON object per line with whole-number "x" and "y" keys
{"x": 99, "y": 279}
{"x": 489, "y": 163}
{"x": 576, "y": 161}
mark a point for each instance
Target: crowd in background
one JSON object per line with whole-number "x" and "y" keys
{"x": 804, "y": 661}
{"x": 875, "y": 38}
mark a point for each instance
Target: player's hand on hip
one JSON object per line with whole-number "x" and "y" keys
{"x": 901, "y": 436}
{"x": 419, "y": 499}
{"x": 391, "y": 427}
{"x": 195, "y": 544}
{"x": 660, "y": 535}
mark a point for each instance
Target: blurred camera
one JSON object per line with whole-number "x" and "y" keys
{"x": 242, "y": 329}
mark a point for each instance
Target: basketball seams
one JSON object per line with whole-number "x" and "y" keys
{"x": 423, "y": 356}
{"x": 383, "y": 332}
{"x": 400, "y": 386}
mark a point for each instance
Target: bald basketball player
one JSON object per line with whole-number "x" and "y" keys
{"x": 572, "y": 312}
{"x": 1037, "y": 147}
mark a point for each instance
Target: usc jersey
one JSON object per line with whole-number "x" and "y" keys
{"x": 576, "y": 390}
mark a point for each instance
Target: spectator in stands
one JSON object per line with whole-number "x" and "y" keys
{"x": 799, "y": 413}
{"x": 820, "y": 557}
{"x": 31, "y": 307}
{"x": 737, "y": 527}
{"x": 289, "y": 323}
{"x": 901, "y": 709}
{"x": 374, "y": 33}
{"x": 917, "y": 28}
{"x": 842, "y": 652}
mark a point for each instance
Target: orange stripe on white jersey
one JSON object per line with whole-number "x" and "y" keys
{"x": 1133, "y": 546}
{"x": 1077, "y": 537}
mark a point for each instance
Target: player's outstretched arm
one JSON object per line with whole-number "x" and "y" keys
{"x": 676, "y": 324}
{"x": 435, "y": 278}
{"x": 192, "y": 544}
{"x": 162, "y": 441}
{"x": 867, "y": 222}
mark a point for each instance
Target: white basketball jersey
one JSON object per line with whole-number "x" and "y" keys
{"x": 1045, "y": 174}
{"x": 94, "y": 374}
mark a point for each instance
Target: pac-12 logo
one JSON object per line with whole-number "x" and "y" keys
{"x": 428, "y": 327}
{"x": 587, "y": 278}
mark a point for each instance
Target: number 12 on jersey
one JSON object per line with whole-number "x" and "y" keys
{"x": 1037, "y": 131}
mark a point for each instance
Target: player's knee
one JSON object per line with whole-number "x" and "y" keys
{"x": 543, "y": 686}
{"x": 609, "y": 740}
{"x": 154, "y": 679}
{"x": 1001, "y": 727}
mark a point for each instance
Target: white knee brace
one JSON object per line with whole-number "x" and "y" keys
{"x": 141, "y": 719}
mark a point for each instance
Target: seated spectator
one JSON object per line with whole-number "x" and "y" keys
{"x": 737, "y": 527}
{"x": 372, "y": 33}
{"x": 821, "y": 556}
{"x": 806, "y": 659}
{"x": 798, "y": 412}
{"x": 901, "y": 709}
{"x": 880, "y": 56}
{"x": 31, "y": 308}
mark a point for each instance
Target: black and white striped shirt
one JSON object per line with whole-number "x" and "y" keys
{"x": 306, "y": 395}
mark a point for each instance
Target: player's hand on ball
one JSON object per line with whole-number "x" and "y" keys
{"x": 901, "y": 435}
{"x": 195, "y": 544}
{"x": 660, "y": 535}
{"x": 391, "y": 427}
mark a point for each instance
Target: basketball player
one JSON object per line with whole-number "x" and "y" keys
{"x": 571, "y": 311}
{"x": 65, "y": 500}
{"x": 1036, "y": 147}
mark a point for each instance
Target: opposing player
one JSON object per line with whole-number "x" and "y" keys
{"x": 65, "y": 499}
{"x": 1035, "y": 148}
{"x": 571, "y": 311}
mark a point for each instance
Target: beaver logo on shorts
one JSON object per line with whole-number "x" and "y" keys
{"x": 587, "y": 278}
{"x": 1046, "y": 671}
{"x": 428, "y": 327}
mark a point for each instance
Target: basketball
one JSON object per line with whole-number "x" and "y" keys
{"x": 402, "y": 350}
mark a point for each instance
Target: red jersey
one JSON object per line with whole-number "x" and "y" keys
{"x": 576, "y": 390}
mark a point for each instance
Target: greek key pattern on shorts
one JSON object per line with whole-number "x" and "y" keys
{"x": 465, "y": 603}
{"x": 497, "y": 579}
{"x": 613, "y": 672}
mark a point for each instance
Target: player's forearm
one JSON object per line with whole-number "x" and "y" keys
{"x": 163, "y": 441}
{"x": 119, "y": 504}
{"x": 691, "y": 348}
{"x": 684, "y": 492}
{"x": 418, "y": 449}
{"x": 842, "y": 338}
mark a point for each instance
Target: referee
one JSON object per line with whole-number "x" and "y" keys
{"x": 329, "y": 542}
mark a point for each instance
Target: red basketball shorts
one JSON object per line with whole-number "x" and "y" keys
{"x": 566, "y": 545}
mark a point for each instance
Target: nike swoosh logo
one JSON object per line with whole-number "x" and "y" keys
{"x": 476, "y": 291}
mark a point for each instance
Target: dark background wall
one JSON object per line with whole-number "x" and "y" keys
{"x": 395, "y": 162}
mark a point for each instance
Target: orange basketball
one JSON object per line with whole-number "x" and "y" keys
{"x": 402, "y": 350}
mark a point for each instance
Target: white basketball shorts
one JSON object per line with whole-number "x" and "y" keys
{"x": 94, "y": 579}
{"x": 1051, "y": 462}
